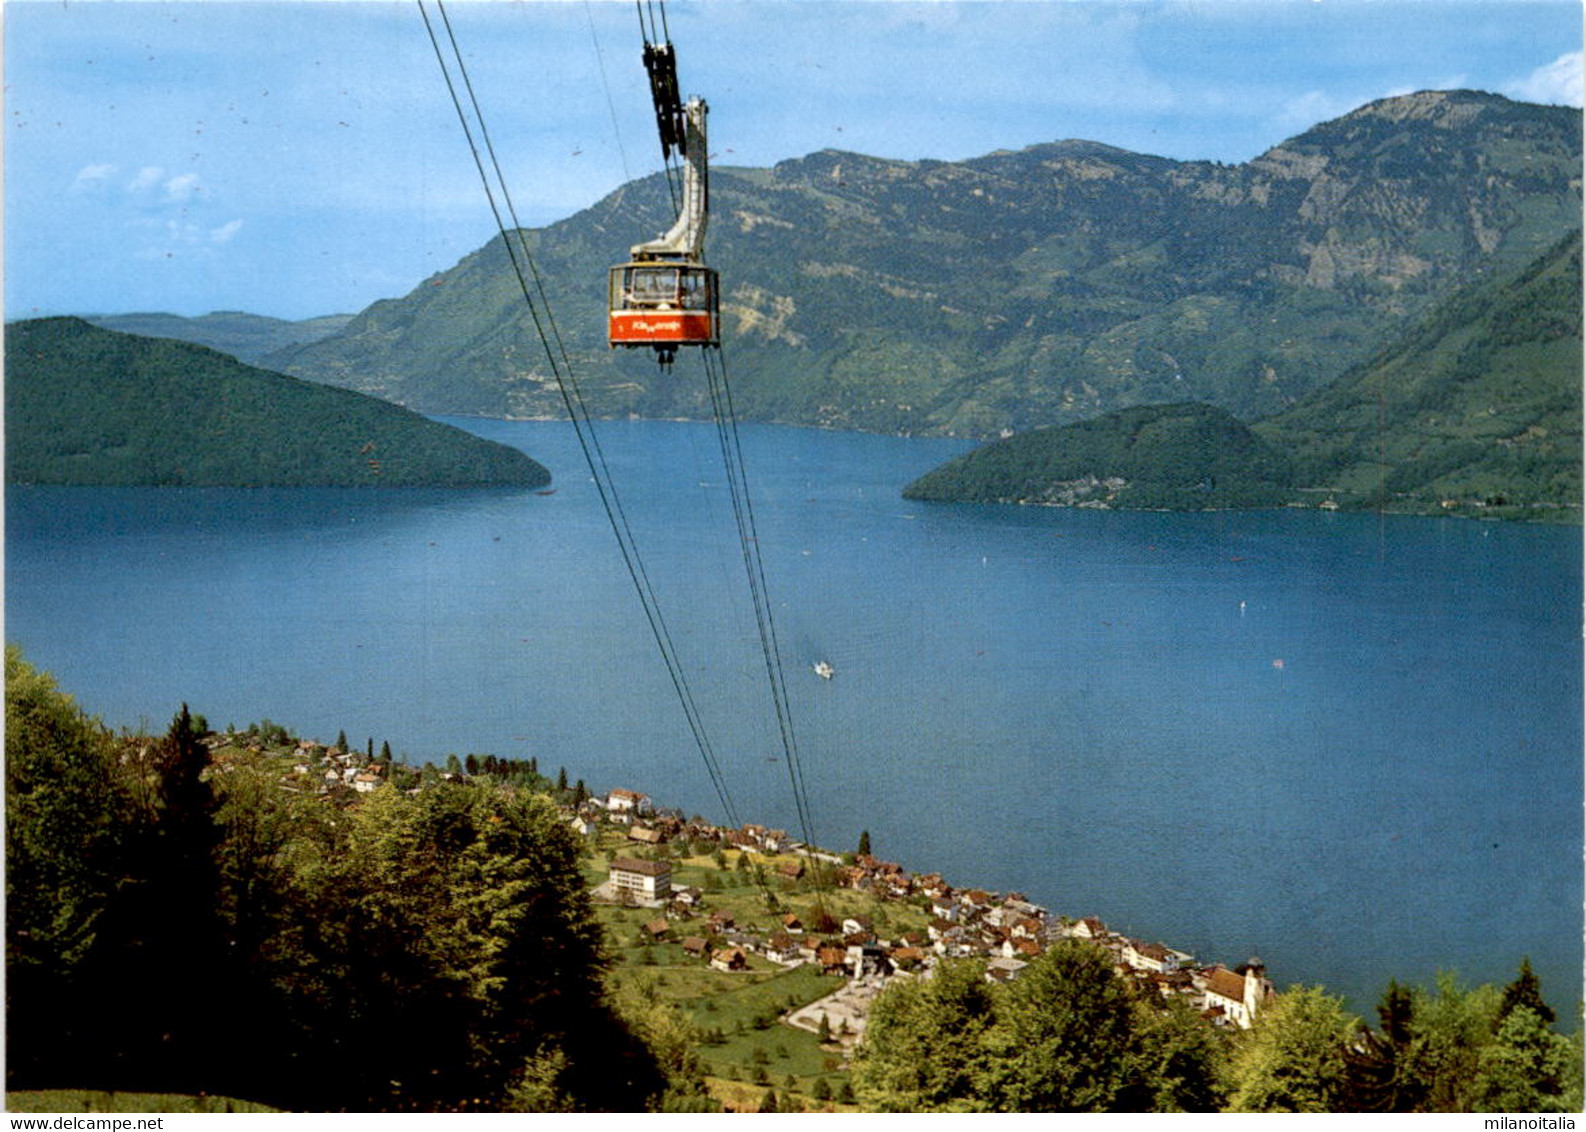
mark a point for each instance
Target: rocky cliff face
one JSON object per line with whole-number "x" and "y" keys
{"x": 1017, "y": 289}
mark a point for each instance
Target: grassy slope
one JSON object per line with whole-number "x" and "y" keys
{"x": 744, "y": 1006}
{"x": 94, "y": 1100}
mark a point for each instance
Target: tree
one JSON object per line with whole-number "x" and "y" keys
{"x": 1379, "y": 1080}
{"x": 341, "y": 740}
{"x": 864, "y": 843}
{"x": 1066, "y": 1040}
{"x": 1181, "y": 1063}
{"x": 1293, "y": 1058}
{"x": 465, "y": 943}
{"x": 561, "y": 780}
{"x": 385, "y": 753}
{"x": 925, "y": 1043}
{"x": 1528, "y": 1068}
{"x": 1448, "y": 1031}
{"x": 1526, "y": 991}
{"x": 65, "y": 828}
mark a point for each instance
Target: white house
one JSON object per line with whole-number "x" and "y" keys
{"x": 1238, "y": 994}
{"x": 629, "y": 801}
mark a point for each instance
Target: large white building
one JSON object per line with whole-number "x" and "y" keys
{"x": 646, "y": 880}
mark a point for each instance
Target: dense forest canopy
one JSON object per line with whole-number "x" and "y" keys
{"x": 85, "y": 406}
{"x": 179, "y": 926}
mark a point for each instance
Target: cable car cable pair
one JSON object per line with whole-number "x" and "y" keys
{"x": 665, "y": 280}
{"x": 572, "y": 398}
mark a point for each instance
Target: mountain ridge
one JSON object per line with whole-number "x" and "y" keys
{"x": 1013, "y": 290}
{"x": 246, "y": 337}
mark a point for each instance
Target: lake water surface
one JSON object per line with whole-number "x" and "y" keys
{"x": 1351, "y": 745}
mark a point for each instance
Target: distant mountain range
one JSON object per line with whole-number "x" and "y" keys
{"x": 84, "y": 405}
{"x": 1474, "y": 410}
{"x": 246, "y": 337}
{"x": 1017, "y": 290}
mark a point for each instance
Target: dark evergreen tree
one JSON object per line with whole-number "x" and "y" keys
{"x": 1380, "y": 1075}
{"x": 864, "y": 843}
{"x": 1526, "y": 990}
{"x": 561, "y": 780}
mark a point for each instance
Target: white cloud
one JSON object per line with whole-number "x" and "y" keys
{"x": 1558, "y": 82}
{"x": 181, "y": 187}
{"x": 225, "y": 232}
{"x": 90, "y": 175}
{"x": 1308, "y": 109}
{"x": 147, "y": 178}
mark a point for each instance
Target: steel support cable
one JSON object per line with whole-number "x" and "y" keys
{"x": 570, "y": 389}
{"x": 599, "y": 470}
{"x": 754, "y": 563}
{"x": 605, "y": 85}
{"x": 754, "y": 566}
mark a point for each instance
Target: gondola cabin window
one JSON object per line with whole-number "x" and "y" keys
{"x": 664, "y": 305}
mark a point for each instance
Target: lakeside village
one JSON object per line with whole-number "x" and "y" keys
{"x": 880, "y": 921}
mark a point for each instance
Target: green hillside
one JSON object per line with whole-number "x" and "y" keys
{"x": 1176, "y": 457}
{"x": 90, "y": 406}
{"x": 1475, "y": 410}
{"x": 1016, "y": 290}
{"x": 246, "y": 337}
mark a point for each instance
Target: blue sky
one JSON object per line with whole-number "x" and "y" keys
{"x": 296, "y": 158}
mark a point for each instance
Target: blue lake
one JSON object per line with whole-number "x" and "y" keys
{"x": 1349, "y": 744}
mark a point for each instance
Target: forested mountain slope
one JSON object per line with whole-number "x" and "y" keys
{"x": 1475, "y": 409}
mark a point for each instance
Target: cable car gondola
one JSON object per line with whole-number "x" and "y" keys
{"x": 664, "y": 303}
{"x": 664, "y": 296}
